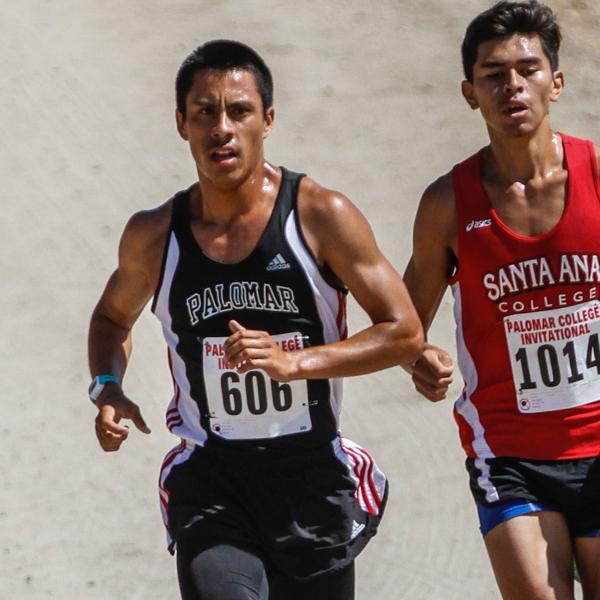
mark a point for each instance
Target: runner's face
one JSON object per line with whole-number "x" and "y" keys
{"x": 225, "y": 125}
{"x": 513, "y": 84}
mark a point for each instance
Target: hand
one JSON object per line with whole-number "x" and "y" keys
{"x": 113, "y": 406}
{"x": 247, "y": 349}
{"x": 432, "y": 373}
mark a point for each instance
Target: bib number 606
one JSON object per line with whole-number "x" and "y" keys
{"x": 252, "y": 391}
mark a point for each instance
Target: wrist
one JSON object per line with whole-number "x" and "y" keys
{"x": 110, "y": 389}
{"x": 298, "y": 365}
{"x": 100, "y": 383}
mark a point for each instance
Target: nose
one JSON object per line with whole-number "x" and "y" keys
{"x": 513, "y": 82}
{"x": 222, "y": 128}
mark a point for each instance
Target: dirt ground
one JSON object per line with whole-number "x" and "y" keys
{"x": 367, "y": 100}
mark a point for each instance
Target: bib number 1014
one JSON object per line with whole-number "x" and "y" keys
{"x": 548, "y": 360}
{"x": 252, "y": 391}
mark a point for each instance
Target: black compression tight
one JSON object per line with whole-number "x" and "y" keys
{"x": 224, "y": 572}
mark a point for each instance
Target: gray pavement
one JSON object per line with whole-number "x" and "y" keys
{"x": 367, "y": 100}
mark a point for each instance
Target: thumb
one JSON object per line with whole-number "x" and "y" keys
{"x": 138, "y": 420}
{"x": 445, "y": 359}
{"x": 234, "y": 326}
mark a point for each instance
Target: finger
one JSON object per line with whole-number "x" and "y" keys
{"x": 138, "y": 420}
{"x": 425, "y": 375}
{"x": 109, "y": 441}
{"x": 251, "y": 364}
{"x": 436, "y": 369}
{"x": 234, "y": 326}
{"x": 239, "y": 347}
{"x": 432, "y": 395}
{"x": 431, "y": 386}
{"x": 249, "y": 354}
{"x": 445, "y": 359}
{"x": 246, "y": 334}
{"x": 107, "y": 422}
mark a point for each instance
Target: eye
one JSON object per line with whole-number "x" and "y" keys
{"x": 240, "y": 110}
{"x": 494, "y": 75}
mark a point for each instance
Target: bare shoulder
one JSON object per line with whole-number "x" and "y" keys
{"x": 439, "y": 195}
{"x": 143, "y": 240}
{"x": 436, "y": 215}
{"x": 328, "y": 218}
{"x": 146, "y": 226}
{"x": 597, "y": 148}
{"x": 318, "y": 202}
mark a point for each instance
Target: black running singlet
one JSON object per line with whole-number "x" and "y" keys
{"x": 279, "y": 288}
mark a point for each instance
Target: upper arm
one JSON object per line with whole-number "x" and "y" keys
{"x": 434, "y": 252}
{"x": 598, "y": 156}
{"x": 341, "y": 238}
{"x": 134, "y": 281}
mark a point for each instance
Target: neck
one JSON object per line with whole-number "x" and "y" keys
{"x": 523, "y": 158}
{"x": 219, "y": 204}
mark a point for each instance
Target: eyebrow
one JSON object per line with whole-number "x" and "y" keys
{"x": 490, "y": 64}
{"x": 207, "y": 102}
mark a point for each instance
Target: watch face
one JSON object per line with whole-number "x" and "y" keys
{"x": 95, "y": 389}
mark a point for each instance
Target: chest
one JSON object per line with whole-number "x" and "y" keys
{"x": 530, "y": 209}
{"x": 232, "y": 242}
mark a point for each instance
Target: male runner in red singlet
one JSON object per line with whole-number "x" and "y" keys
{"x": 515, "y": 231}
{"x": 249, "y": 269}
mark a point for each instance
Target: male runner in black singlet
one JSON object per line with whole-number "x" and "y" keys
{"x": 249, "y": 269}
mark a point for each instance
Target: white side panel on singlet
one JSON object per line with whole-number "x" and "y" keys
{"x": 465, "y": 407}
{"x": 327, "y": 300}
{"x": 183, "y": 416}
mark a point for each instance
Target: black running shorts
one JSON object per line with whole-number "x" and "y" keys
{"x": 571, "y": 487}
{"x": 306, "y": 514}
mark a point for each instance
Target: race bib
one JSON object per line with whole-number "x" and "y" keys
{"x": 249, "y": 406}
{"x": 555, "y": 357}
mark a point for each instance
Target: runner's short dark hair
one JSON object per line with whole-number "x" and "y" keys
{"x": 507, "y": 18}
{"x": 224, "y": 55}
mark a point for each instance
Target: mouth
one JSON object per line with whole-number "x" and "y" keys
{"x": 223, "y": 156}
{"x": 515, "y": 109}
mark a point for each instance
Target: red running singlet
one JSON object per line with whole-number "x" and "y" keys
{"x": 527, "y": 313}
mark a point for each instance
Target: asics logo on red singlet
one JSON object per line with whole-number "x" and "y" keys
{"x": 478, "y": 224}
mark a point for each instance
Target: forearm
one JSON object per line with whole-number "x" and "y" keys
{"x": 109, "y": 346}
{"x": 378, "y": 347}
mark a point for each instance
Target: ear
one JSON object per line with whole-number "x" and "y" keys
{"x": 181, "y": 125}
{"x": 466, "y": 87}
{"x": 269, "y": 120}
{"x": 558, "y": 84}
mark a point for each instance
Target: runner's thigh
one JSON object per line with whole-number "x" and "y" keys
{"x": 219, "y": 572}
{"x": 587, "y": 551}
{"x": 532, "y": 557}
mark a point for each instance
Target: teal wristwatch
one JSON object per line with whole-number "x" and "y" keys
{"x": 97, "y": 385}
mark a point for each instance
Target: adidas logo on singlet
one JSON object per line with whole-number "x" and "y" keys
{"x": 356, "y": 529}
{"x": 278, "y": 264}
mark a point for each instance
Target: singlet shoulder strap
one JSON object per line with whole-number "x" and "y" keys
{"x": 180, "y": 214}
{"x": 178, "y": 206}
{"x": 469, "y": 196}
{"x": 288, "y": 195}
{"x": 582, "y": 161}
{"x": 288, "y": 203}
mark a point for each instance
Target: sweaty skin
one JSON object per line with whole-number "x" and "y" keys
{"x": 225, "y": 125}
{"x": 525, "y": 180}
